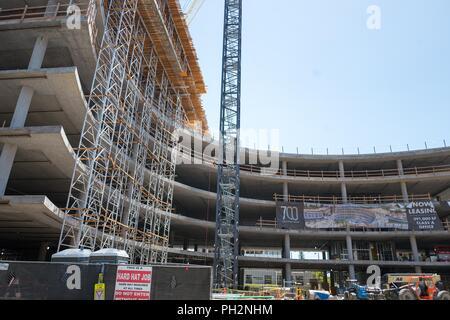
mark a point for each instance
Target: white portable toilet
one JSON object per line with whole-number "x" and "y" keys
{"x": 72, "y": 255}
{"x": 112, "y": 256}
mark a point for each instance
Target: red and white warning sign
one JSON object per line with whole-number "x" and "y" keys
{"x": 133, "y": 283}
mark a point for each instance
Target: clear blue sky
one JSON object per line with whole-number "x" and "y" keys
{"x": 313, "y": 70}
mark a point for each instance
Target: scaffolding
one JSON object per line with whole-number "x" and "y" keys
{"x": 122, "y": 186}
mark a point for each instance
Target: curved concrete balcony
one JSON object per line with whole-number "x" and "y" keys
{"x": 374, "y": 176}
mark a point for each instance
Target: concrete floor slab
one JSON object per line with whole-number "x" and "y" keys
{"x": 29, "y": 218}
{"x": 50, "y": 141}
{"x": 57, "y": 99}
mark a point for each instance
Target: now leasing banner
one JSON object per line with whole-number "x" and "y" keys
{"x": 422, "y": 216}
{"x": 133, "y": 283}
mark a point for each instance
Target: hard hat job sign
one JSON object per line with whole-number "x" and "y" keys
{"x": 133, "y": 283}
{"x": 422, "y": 216}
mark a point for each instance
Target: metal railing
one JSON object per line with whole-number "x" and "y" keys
{"x": 323, "y": 174}
{"x": 354, "y": 200}
{"x": 43, "y": 12}
{"x": 88, "y": 9}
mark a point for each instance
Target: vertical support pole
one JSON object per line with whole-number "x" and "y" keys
{"x": 186, "y": 244}
{"x": 403, "y": 186}
{"x": 51, "y": 9}
{"x": 20, "y": 115}
{"x": 343, "y": 184}
{"x": 38, "y": 55}
{"x": 415, "y": 251}
{"x": 287, "y": 255}
{"x": 351, "y": 267}
{"x": 285, "y": 184}
{"x": 22, "y": 107}
{"x": 332, "y": 283}
{"x": 6, "y": 163}
{"x": 9, "y": 151}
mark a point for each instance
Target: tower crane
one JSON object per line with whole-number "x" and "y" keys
{"x": 226, "y": 248}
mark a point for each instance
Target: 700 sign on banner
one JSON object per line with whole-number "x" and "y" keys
{"x": 290, "y": 215}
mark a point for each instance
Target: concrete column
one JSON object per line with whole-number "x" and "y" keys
{"x": 20, "y": 114}
{"x": 285, "y": 184}
{"x": 287, "y": 246}
{"x": 6, "y": 163}
{"x": 287, "y": 255}
{"x": 186, "y": 244}
{"x": 50, "y": 11}
{"x": 400, "y": 167}
{"x": 403, "y": 186}
{"x": 405, "y": 194}
{"x": 332, "y": 282}
{"x": 9, "y": 151}
{"x": 288, "y": 274}
{"x": 343, "y": 184}
{"x": 370, "y": 251}
{"x": 22, "y": 107}
{"x": 351, "y": 268}
{"x": 415, "y": 251}
{"x": 285, "y": 191}
{"x": 37, "y": 58}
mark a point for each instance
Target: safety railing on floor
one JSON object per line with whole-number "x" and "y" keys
{"x": 322, "y": 174}
{"x": 355, "y": 200}
{"x": 87, "y": 8}
{"x": 44, "y": 12}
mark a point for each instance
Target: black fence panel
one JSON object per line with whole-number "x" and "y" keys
{"x": 76, "y": 281}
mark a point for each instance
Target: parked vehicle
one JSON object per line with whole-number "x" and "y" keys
{"x": 319, "y": 295}
{"x": 354, "y": 291}
{"x": 414, "y": 287}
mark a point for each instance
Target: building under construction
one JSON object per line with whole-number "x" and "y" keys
{"x": 89, "y": 138}
{"x": 94, "y": 93}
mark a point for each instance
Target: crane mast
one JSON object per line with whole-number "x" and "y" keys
{"x": 228, "y": 182}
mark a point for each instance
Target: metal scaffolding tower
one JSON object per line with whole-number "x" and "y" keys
{"x": 228, "y": 182}
{"x": 122, "y": 186}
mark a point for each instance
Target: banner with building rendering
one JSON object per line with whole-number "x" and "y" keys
{"x": 376, "y": 216}
{"x": 422, "y": 216}
{"x": 418, "y": 216}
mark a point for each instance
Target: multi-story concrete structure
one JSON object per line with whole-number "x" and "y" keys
{"x": 107, "y": 82}
{"x": 377, "y": 179}
{"x": 47, "y": 70}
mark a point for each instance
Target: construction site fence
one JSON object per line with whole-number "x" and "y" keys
{"x": 58, "y": 281}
